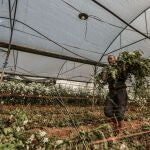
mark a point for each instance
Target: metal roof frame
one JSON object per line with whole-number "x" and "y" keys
{"x": 48, "y": 54}
{"x": 127, "y": 24}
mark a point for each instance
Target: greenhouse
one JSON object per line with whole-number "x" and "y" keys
{"x": 55, "y": 74}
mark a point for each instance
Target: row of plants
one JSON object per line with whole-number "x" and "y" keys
{"x": 24, "y": 128}
{"x": 39, "y": 93}
{"x": 58, "y": 117}
{"x": 40, "y": 89}
{"x": 60, "y": 94}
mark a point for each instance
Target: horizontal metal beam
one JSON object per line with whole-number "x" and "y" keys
{"x": 125, "y": 46}
{"x": 49, "y": 54}
{"x": 45, "y": 77}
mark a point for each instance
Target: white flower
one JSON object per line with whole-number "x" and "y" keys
{"x": 27, "y": 147}
{"x": 18, "y": 129}
{"x": 25, "y": 122}
{"x": 11, "y": 116}
{"x": 120, "y": 56}
{"x": 22, "y": 128}
{"x": 32, "y": 137}
{"x": 40, "y": 148}
{"x": 123, "y": 147}
{"x": 45, "y": 140}
{"x": 131, "y": 53}
{"x": 101, "y": 81}
{"x": 59, "y": 142}
{"x": 131, "y": 96}
{"x": 42, "y": 133}
{"x": 2, "y": 102}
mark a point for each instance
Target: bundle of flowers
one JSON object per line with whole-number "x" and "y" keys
{"x": 137, "y": 68}
{"x": 135, "y": 64}
{"x": 129, "y": 64}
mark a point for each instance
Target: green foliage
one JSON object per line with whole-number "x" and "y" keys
{"x": 137, "y": 67}
{"x": 14, "y": 133}
{"x": 130, "y": 65}
{"x": 18, "y": 129}
{"x": 40, "y": 94}
{"x": 135, "y": 63}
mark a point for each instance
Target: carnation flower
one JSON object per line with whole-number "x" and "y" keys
{"x": 11, "y": 116}
{"x": 22, "y": 128}
{"x": 32, "y": 137}
{"x": 131, "y": 53}
{"x": 59, "y": 142}
{"x": 45, "y": 140}
{"x": 18, "y": 129}
{"x": 25, "y": 122}
{"x": 2, "y": 102}
{"x": 42, "y": 133}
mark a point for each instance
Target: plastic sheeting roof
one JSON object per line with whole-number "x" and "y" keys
{"x": 54, "y": 27}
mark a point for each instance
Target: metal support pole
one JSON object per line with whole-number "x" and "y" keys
{"x": 94, "y": 87}
{"x": 12, "y": 23}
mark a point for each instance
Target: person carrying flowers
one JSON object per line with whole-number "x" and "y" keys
{"x": 128, "y": 65}
{"x": 116, "y": 100}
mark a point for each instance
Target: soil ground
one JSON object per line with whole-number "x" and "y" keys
{"x": 66, "y": 132}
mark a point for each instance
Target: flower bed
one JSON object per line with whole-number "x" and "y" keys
{"x": 37, "y": 93}
{"x": 46, "y": 128}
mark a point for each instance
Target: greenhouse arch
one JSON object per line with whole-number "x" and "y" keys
{"x": 79, "y": 52}
{"x": 74, "y": 74}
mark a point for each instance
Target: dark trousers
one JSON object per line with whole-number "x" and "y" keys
{"x": 115, "y": 104}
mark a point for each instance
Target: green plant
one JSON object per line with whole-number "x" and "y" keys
{"x": 134, "y": 67}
